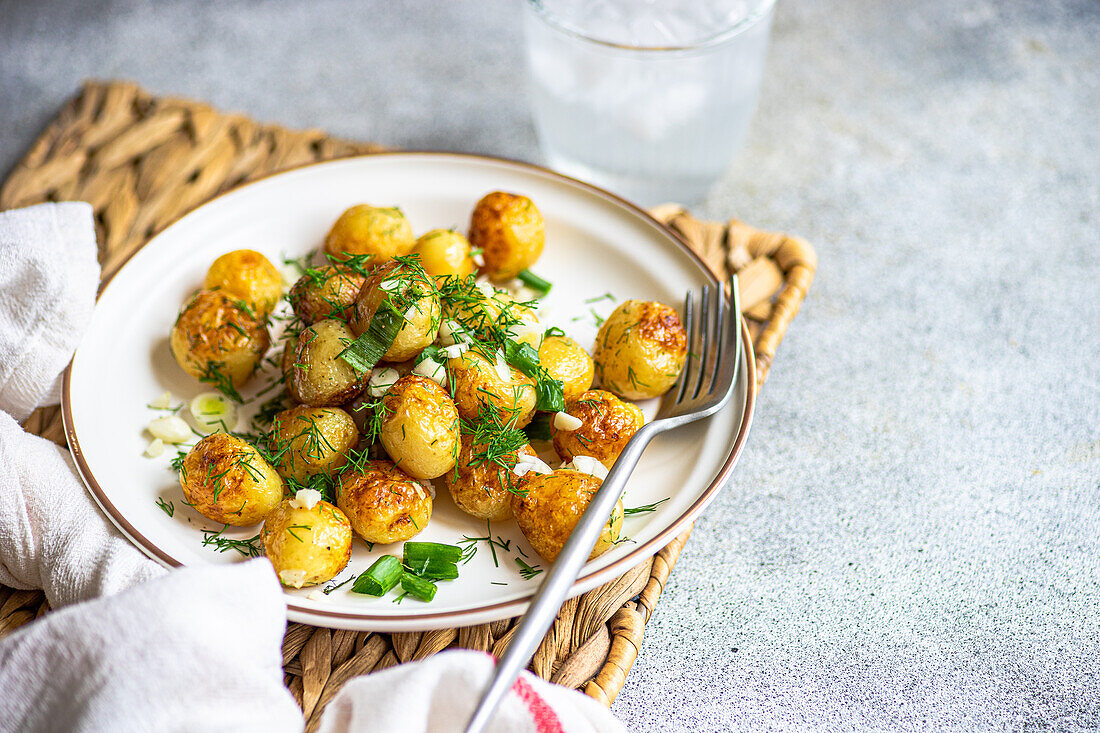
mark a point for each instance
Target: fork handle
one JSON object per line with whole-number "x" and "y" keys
{"x": 560, "y": 578}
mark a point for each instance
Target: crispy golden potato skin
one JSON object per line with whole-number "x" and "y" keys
{"x": 383, "y": 233}
{"x": 444, "y": 253}
{"x": 510, "y": 231}
{"x": 479, "y": 487}
{"x": 422, "y": 316}
{"x": 214, "y": 331}
{"x": 225, "y": 479}
{"x": 313, "y": 371}
{"x": 311, "y": 440}
{"x": 307, "y": 546}
{"x": 640, "y": 350}
{"x": 474, "y": 381}
{"x": 248, "y": 275}
{"x": 330, "y": 293}
{"x": 609, "y": 424}
{"x": 383, "y": 503}
{"x": 549, "y": 506}
{"x": 566, "y": 360}
{"x": 420, "y": 427}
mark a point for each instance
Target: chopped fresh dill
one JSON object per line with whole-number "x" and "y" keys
{"x": 469, "y": 545}
{"x": 494, "y": 439}
{"x": 527, "y": 571}
{"x": 292, "y": 533}
{"x": 212, "y": 374}
{"x": 250, "y": 547}
{"x": 166, "y": 506}
{"x": 334, "y": 585}
{"x": 644, "y": 508}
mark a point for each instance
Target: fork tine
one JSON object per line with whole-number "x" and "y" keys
{"x": 720, "y": 305}
{"x": 706, "y": 340}
{"x": 725, "y": 369}
{"x": 689, "y": 321}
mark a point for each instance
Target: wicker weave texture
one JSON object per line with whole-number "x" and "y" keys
{"x": 143, "y": 161}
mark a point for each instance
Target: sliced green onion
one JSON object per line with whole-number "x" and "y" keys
{"x": 383, "y": 575}
{"x": 522, "y": 356}
{"x": 416, "y": 551}
{"x": 434, "y": 353}
{"x": 365, "y": 351}
{"x": 550, "y": 395}
{"x": 434, "y": 569}
{"x": 418, "y": 588}
{"x": 539, "y": 428}
{"x": 554, "y": 331}
{"x": 536, "y": 283}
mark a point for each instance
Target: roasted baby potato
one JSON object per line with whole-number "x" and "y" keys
{"x": 548, "y": 506}
{"x": 227, "y": 480}
{"x": 217, "y": 338}
{"x": 419, "y": 427}
{"x": 510, "y": 232}
{"x": 444, "y": 253}
{"x": 480, "y": 487}
{"x": 311, "y": 440}
{"x": 307, "y": 539}
{"x": 313, "y": 371}
{"x": 475, "y": 381}
{"x": 249, "y": 276}
{"x": 567, "y": 361}
{"x": 608, "y": 424}
{"x": 327, "y": 292}
{"x": 640, "y": 350}
{"x": 383, "y": 503}
{"x": 383, "y": 233}
{"x": 412, "y": 293}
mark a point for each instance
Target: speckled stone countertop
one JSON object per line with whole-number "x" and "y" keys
{"x": 912, "y": 539}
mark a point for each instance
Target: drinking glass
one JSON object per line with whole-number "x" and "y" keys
{"x": 648, "y": 98}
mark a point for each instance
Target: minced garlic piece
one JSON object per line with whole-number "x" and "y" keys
{"x": 589, "y": 465}
{"x": 293, "y": 578}
{"x": 170, "y": 429}
{"x": 530, "y": 464}
{"x": 306, "y": 499}
{"x": 566, "y": 422}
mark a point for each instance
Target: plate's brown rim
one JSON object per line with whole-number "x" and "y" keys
{"x": 630, "y": 560}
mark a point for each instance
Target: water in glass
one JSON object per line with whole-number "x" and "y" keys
{"x": 648, "y": 98}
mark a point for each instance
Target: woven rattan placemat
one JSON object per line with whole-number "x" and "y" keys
{"x": 143, "y": 161}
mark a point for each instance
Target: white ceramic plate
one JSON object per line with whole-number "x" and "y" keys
{"x": 596, "y": 244}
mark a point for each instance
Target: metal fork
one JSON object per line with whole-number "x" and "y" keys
{"x": 704, "y": 387}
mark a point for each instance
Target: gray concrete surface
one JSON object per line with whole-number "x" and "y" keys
{"x": 912, "y": 540}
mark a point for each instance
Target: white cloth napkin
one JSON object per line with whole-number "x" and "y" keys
{"x": 196, "y": 650}
{"x": 52, "y": 535}
{"x": 48, "y": 280}
{"x": 135, "y": 647}
{"x": 441, "y": 693}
